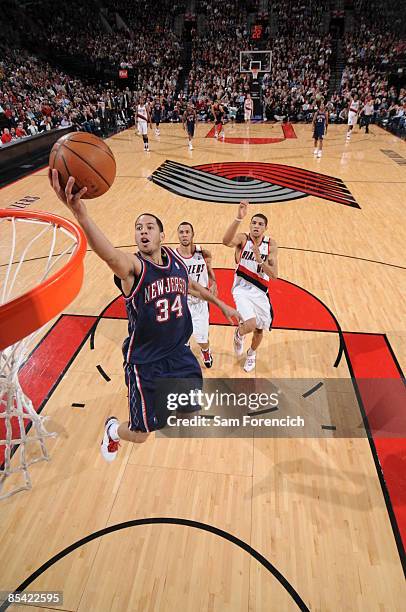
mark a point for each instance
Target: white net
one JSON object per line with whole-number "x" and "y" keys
{"x": 30, "y": 251}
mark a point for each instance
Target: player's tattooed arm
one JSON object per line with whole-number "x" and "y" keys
{"x": 204, "y": 294}
{"x": 230, "y": 238}
{"x": 212, "y": 278}
{"x": 125, "y": 265}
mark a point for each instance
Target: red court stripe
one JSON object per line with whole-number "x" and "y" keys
{"x": 42, "y": 370}
{"x": 384, "y": 400}
{"x": 293, "y": 307}
{"x": 263, "y": 167}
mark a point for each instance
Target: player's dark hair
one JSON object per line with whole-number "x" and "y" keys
{"x": 261, "y": 216}
{"x": 159, "y": 222}
{"x": 187, "y": 223}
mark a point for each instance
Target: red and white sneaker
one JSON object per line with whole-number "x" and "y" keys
{"x": 207, "y": 358}
{"x": 109, "y": 447}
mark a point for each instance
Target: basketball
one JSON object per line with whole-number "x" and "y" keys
{"x": 88, "y": 159}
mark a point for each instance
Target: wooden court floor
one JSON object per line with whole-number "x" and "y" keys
{"x": 328, "y": 513}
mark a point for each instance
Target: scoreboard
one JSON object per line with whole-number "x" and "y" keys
{"x": 257, "y": 32}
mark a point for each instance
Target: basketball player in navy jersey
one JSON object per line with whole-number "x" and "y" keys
{"x": 320, "y": 123}
{"x": 189, "y": 122}
{"x": 157, "y": 114}
{"x": 256, "y": 256}
{"x": 198, "y": 263}
{"x": 155, "y": 286}
{"x": 218, "y": 114}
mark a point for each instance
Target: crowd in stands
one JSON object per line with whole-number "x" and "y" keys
{"x": 300, "y": 69}
{"x": 372, "y": 51}
{"x": 35, "y": 96}
{"x": 141, "y": 39}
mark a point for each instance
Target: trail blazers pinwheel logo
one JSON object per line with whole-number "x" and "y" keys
{"x": 230, "y": 182}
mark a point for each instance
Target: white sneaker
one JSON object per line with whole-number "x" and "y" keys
{"x": 319, "y": 154}
{"x": 109, "y": 447}
{"x": 238, "y": 344}
{"x": 216, "y": 135}
{"x": 249, "y": 364}
{"x": 222, "y": 135}
{"x": 190, "y": 146}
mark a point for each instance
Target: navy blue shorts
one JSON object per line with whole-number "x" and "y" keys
{"x": 190, "y": 128}
{"x": 318, "y": 134}
{"x": 156, "y": 119}
{"x": 147, "y": 404}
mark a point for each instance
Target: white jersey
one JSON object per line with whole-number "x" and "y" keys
{"x": 197, "y": 269}
{"x": 354, "y": 106}
{"x": 142, "y": 112}
{"x": 248, "y": 271}
{"x": 248, "y": 104}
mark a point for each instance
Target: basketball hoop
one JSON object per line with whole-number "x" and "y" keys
{"x": 254, "y": 72}
{"x": 24, "y": 313}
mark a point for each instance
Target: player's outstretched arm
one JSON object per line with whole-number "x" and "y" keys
{"x": 230, "y": 238}
{"x": 204, "y": 294}
{"x": 210, "y": 272}
{"x": 124, "y": 265}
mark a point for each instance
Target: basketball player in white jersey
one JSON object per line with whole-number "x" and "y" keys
{"x": 353, "y": 110}
{"x": 198, "y": 263}
{"x": 248, "y": 108}
{"x": 256, "y": 256}
{"x": 143, "y": 118}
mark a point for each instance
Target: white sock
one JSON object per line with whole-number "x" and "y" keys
{"x": 237, "y": 333}
{"x": 113, "y": 431}
{"x": 251, "y": 353}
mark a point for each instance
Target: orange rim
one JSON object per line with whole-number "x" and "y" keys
{"x": 31, "y": 310}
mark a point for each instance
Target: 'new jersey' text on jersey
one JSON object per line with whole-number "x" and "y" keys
{"x": 159, "y": 320}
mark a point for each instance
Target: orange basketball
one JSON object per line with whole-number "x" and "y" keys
{"x": 88, "y": 159}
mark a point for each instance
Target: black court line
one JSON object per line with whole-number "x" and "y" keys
{"x": 384, "y": 489}
{"x": 103, "y": 373}
{"x": 285, "y": 248}
{"x": 313, "y": 389}
{"x": 264, "y": 411}
{"x": 101, "y": 316}
{"x": 74, "y": 405}
{"x": 166, "y": 521}
{"x": 329, "y": 427}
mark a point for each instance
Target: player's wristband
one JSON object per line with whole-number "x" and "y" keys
{"x": 239, "y": 220}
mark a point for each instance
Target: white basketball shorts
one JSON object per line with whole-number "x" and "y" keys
{"x": 252, "y": 303}
{"x": 352, "y": 118}
{"x": 200, "y": 319}
{"x": 142, "y": 128}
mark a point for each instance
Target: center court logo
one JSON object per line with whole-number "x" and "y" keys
{"x": 260, "y": 183}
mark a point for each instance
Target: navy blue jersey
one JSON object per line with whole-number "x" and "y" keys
{"x": 320, "y": 122}
{"x": 159, "y": 321}
{"x": 157, "y": 109}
